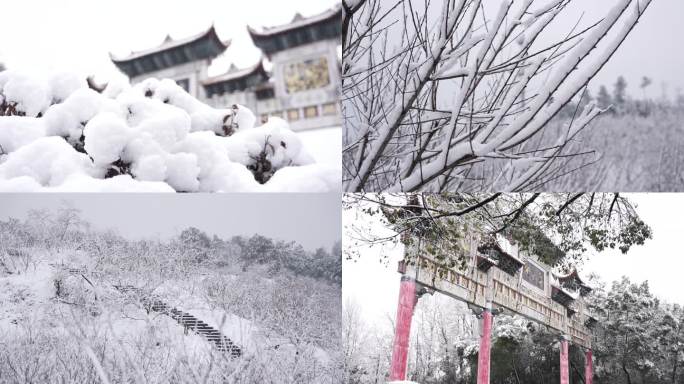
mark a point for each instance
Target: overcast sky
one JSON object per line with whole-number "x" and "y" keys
{"x": 79, "y": 34}
{"x": 651, "y": 49}
{"x": 313, "y": 220}
{"x": 375, "y": 286}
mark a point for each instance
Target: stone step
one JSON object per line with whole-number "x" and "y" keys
{"x": 187, "y": 320}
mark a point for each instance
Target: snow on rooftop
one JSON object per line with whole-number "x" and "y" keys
{"x": 574, "y": 295}
{"x": 509, "y": 248}
{"x": 297, "y": 22}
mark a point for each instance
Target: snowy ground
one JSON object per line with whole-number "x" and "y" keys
{"x": 325, "y": 145}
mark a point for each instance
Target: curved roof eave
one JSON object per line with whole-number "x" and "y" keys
{"x": 241, "y": 73}
{"x": 334, "y": 12}
{"x": 210, "y": 33}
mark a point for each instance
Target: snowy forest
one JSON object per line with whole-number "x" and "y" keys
{"x": 641, "y": 340}
{"x": 636, "y": 145}
{"x": 476, "y": 95}
{"x": 86, "y": 305}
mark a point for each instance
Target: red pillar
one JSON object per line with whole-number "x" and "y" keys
{"x": 483, "y": 363}
{"x": 588, "y": 367}
{"x": 407, "y": 302}
{"x": 564, "y": 367}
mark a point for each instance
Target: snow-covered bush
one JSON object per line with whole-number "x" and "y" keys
{"x": 57, "y": 133}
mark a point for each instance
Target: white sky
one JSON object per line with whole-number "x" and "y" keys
{"x": 650, "y": 50}
{"x": 375, "y": 286}
{"x": 79, "y": 34}
{"x": 313, "y": 220}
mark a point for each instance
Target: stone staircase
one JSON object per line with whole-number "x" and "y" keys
{"x": 187, "y": 320}
{"x": 151, "y": 303}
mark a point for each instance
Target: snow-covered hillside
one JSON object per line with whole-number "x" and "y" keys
{"x": 80, "y": 305}
{"x": 58, "y": 134}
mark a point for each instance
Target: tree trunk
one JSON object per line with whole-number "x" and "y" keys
{"x": 674, "y": 369}
{"x": 624, "y": 368}
{"x": 579, "y": 374}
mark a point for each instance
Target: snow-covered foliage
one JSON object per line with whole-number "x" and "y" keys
{"x": 640, "y": 338}
{"x": 63, "y": 320}
{"x": 58, "y": 134}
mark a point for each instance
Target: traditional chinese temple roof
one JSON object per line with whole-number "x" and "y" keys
{"x": 302, "y": 30}
{"x": 206, "y": 45}
{"x": 505, "y": 261}
{"x": 236, "y": 80}
{"x": 562, "y": 296}
{"x": 573, "y": 281}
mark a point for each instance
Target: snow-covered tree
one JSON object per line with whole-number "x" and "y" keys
{"x": 437, "y": 97}
{"x": 195, "y": 244}
{"x": 620, "y": 94}
{"x": 604, "y": 99}
{"x": 558, "y": 228}
{"x": 258, "y": 249}
{"x": 638, "y": 337}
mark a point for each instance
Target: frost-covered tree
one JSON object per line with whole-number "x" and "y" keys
{"x": 645, "y": 83}
{"x": 436, "y": 95}
{"x": 620, "y": 94}
{"x": 604, "y": 100}
{"x": 353, "y": 342}
{"x": 637, "y": 338}
{"x": 69, "y": 220}
{"x": 195, "y": 244}
{"x": 258, "y": 249}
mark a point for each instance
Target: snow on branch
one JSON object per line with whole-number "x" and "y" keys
{"x": 443, "y": 97}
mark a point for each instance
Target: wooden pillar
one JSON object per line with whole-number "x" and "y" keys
{"x": 407, "y": 302}
{"x": 564, "y": 366}
{"x": 588, "y": 367}
{"x": 483, "y": 356}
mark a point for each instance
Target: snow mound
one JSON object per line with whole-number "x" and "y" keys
{"x": 57, "y": 134}
{"x": 47, "y": 160}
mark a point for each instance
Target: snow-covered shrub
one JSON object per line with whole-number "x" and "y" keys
{"x": 15, "y": 260}
{"x": 60, "y": 134}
